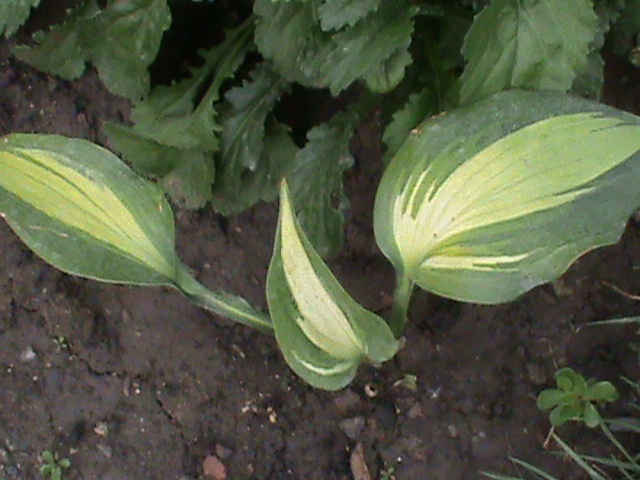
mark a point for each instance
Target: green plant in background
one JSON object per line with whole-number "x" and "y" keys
{"x": 480, "y": 204}
{"x": 53, "y": 466}
{"x": 576, "y": 399}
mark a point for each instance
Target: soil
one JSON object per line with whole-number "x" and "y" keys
{"x": 136, "y": 383}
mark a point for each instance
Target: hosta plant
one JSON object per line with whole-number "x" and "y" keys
{"x": 480, "y": 205}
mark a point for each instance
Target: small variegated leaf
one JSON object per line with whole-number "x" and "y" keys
{"x": 323, "y": 333}
{"x": 81, "y": 209}
{"x": 487, "y": 202}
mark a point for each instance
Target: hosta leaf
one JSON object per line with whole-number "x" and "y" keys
{"x": 129, "y": 36}
{"x": 243, "y": 131}
{"x": 487, "y": 202}
{"x": 534, "y": 44}
{"x": 84, "y": 211}
{"x": 323, "y": 333}
{"x": 13, "y": 13}
{"x": 316, "y": 183}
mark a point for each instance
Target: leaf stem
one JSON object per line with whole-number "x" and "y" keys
{"x": 401, "y": 297}
{"x": 230, "y": 306}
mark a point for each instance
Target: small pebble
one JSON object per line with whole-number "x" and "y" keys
{"x": 28, "y": 355}
{"x": 106, "y": 450}
{"x": 352, "y": 427}
{"x": 214, "y": 469}
{"x": 4, "y": 456}
{"x": 223, "y": 452}
{"x": 347, "y": 401}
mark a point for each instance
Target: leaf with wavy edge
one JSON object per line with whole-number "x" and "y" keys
{"x": 491, "y": 200}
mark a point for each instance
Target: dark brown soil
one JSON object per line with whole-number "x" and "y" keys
{"x": 132, "y": 383}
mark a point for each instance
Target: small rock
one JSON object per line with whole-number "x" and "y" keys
{"x": 101, "y": 429}
{"x": 359, "y": 468}
{"x": 106, "y": 450}
{"x": 28, "y": 355}
{"x": 415, "y": 411}
{"x": 536, "y": 373}
{"x": 213, "y": 468}
{"x": 352, "y": 427}
{"x": 347, "y": 401}
{"x": 4, "y": 456}
{"x": 223, "y": 452}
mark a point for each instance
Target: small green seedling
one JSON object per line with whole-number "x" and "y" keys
{"x": 575, "y": 399}
{"x": 53, "y": 465}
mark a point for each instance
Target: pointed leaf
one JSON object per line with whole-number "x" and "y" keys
{"x": 487, "y": 202}
{"x": 534, "y": 44}
{"x": 373, "y": 49}
{"x": 129, "y": 33}
{"x": 323, "y": 333}
{"x": 243, "y": 132}
{"x": 316, "y": 183}
{"x": 84, "y": 211}
{"x": 336, "y": 14}
{"x": 13, "y": 13}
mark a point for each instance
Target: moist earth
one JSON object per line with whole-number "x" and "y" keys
{"x": 136, "y": 383}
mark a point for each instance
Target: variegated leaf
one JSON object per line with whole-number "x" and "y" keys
{"x": 81, "y": 209}
{"x": 487, "y": 202}
{"x": 323, "y": 333}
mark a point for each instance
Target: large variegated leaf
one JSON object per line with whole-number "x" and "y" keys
{"x": 84, "y": 211}
{"x": 323, "y": 333}
{"x": 486, "y": 202}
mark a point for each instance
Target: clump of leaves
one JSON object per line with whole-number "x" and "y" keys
{"x": 53, "y": 466}
{"x": 480, "y": 204}
{"x": 576, "y": 398}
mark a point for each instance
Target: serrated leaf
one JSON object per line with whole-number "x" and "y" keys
{"x": 533, "y": 44}
{"x": 175, "y": 131}
{"x": 322, "y": 332}
{"x": 13, "y": 14}
{"x": 374, "y": 49}
{"x": 60, "y": 51}
{"x": 336, "y": 14}
{"x": 121, "y": 41}
{"x": 288, "y": 34}
{"x": 486, "y": 202}
{"x": 316, "y": 183}
{"x": 181, "y": 115}
{"x": 187, "y": 175}
{"x": 84, "y": 211}
{"x": 419, "y": 106}
{"x": 277, "y": 157}
{"x": 243, "y": 132}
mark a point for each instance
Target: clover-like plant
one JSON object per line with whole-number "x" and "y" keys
{"x": 480, "y": 205}
{"x": 53, "y": 466}
{"x": 576, "y": 398}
